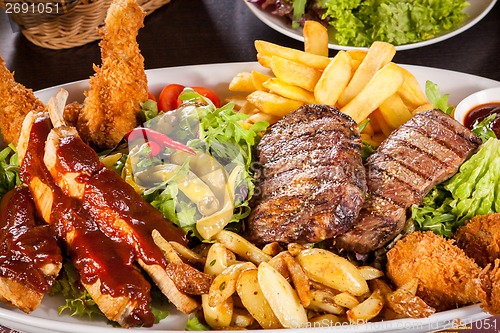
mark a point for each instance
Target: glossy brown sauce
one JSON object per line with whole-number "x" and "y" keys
{"x": 96, "y": 256}
{"x": 26, "y": 245}
{"x": 480, "y": 112}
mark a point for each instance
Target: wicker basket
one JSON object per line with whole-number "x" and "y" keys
{"x": 75, "y": 23}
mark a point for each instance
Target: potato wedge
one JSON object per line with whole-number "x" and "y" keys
{"x": 379, "y": 54}
{"x": 345, "y": 300}
{"x": 273, "y": 104}
{"x": 241, "y": 247}
{"x": 325, "y": 320}
{"x": 299, "y": 279}
{"x": 219, "y": 316}
{"x": 281, "y": 297}
{"x": 289, "y": 91}
{"x": 332, "y": 271}
{"x": 315, "y": 38}
{"x": 323, "y": 301}
{"x": 272, "y": 249}
{"x": 224, "y": 284}
{"x": 218, "y": 259}
{"x": 168, "y": 251}
{"x": 334, "y": 79}
{"x": 261, "y": 116}
{"x": 241, "y": 318}
{"x": 382, "y": 85}
{"x": 268, "y": 49}
{"x": 253, "y": 300}
{"x": 295, "y": 73}
{"x": 405, "y": 303}
{"x": 368, "y": 309}
{"x": 370, "y": 273}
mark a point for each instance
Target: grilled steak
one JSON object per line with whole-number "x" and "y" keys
{"x": 310, "y": 179}
{"x": 425, "y": 151}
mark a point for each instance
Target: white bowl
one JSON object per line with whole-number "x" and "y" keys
{"x": 490, "y": 95}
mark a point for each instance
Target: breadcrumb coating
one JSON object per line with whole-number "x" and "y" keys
{"x": 480, "y": 238}
{"x": 446, "y": 275}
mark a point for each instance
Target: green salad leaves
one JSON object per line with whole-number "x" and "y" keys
{"x": 361, "y": 22}
{"x": 9, "y": 170}
{"x": 474, "y": 190}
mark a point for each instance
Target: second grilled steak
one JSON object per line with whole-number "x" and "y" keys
{"x": 310, "y": 180}
{"x": 423, "y": 152}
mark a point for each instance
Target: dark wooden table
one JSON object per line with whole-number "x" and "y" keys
{"x": 193, "y": 32}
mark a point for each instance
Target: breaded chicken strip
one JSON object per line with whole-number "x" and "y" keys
{"x": 446, "y": 275}
{"x": 15, "y": 103}
{"x": 119, "y": 85}
{"x": 480, "y": 238}
{"x": 489, "y": 288}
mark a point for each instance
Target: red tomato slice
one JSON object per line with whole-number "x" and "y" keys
{"x": 208, "y": 93}
{"x": 167, "y": 100}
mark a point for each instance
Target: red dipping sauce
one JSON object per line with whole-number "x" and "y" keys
{"x": 480, "y": 112}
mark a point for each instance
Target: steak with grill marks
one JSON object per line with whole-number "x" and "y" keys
{"x": 423, "y": 152}
{"x": 310, "y": 182}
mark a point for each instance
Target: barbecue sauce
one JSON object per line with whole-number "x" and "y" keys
{"x": 26, "y": 245}
{"x": 98, "y": 258}
{"x": 480, "y": 112}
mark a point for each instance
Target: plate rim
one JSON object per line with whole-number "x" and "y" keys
{"x": 21, "y": 320}
{"x": 272, "y": 22}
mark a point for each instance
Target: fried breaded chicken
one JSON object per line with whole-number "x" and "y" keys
{"x": 489, "y": 288}
{"x": 446, "y": 275}
{"x": 480, "y": 238}
{"x": 112, "y": 104}
{"x": 15, "y": 103}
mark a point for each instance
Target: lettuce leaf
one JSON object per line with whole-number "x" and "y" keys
{"x": 474, "y": 190}
{"x": 361, "y": 22}
{"x": 9, "y": 170}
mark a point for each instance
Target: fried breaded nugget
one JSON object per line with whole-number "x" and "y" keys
{"x": 15, "y": 103}
{"x": 446, "y": 275}
{"x": 112, "y": 104}
{"x": 480, "y": 238}
{"x": 489, "y": 288}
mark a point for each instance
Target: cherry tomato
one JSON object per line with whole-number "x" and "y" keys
{"x": 208, "y": 93}
{"x": 167, "y": 100}
{"x": 151, "y": 96}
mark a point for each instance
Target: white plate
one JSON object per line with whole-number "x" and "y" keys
{"x": 476, "y": 11}
{"x": 45, "y": 319}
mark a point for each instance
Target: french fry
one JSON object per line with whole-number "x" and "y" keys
{"x": 219, "y": 316}
{"x": 423, "y": 108}
{"x": 368, "y": 309}
{"x": 268, "y": 49}
{"x": 241, "y": 247}
{"x": 281, "y": 297}
{"x": 242, "y": 82}
{"x": 239, "y": 101}
{"x": 224, "y": 284}
{"x": 377, "y": 116}
{"x": 188, "y": 254}
{"x": 357, "y": 57}
{"x": 382, "y": 85}
{"x": 323, "y": 301}
{"x": 295, "y": 73}
{"x": 261, "y": 116}
{"x": 258, "y": 79}
{"x": 332, "y": 271}
{"x": 273, "y": 104}
{"x": 334, "y": 79}
{"x": 264, "y": 60}
{"x": 289, "y": 91}
{"x": 253, "y": 299}
{"x": 315, "y": 38}
{"x": 299, "y": 279}
{"x": 167, "y": 249}
{"x": 395, "y": 111}
{"x": 411, "y": 92}
{"x": 379, "y": 54}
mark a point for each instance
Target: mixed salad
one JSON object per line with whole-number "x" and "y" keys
{"x": 361, "y": 22}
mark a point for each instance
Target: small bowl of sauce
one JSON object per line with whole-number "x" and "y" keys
{"x": 478, "y": 106}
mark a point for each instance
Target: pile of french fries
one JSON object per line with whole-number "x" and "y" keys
{"x": 362, "y": 84}
{"x": 296, "y": 287}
